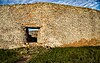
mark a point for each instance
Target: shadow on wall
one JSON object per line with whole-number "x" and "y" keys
{"x": 31, "y": 39}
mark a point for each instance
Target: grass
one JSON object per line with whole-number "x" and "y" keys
{"x": 53, "y": 55}
{"x": 14, "y": 55}
{"x": 69, "y": 55}
{"x": 8, "y": 56}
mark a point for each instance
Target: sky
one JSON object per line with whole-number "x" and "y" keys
{"x": 94, "y": 4}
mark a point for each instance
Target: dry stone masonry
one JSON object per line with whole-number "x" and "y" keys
{"x": 59, "y": 24}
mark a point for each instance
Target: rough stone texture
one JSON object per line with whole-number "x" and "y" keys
{"x": 59, "y": 24}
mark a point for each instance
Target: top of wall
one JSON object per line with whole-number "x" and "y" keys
{"x": 40, "y": 4}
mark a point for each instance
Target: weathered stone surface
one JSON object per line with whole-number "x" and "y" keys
{"x": 83, "y": 42}
{"x": 59, "y": 24}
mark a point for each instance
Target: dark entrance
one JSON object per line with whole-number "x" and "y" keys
{"x": 32, "y": 33}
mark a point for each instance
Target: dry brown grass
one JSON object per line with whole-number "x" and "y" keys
{"x": 83, "y": 42}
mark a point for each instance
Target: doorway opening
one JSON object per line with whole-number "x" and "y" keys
{"x": 32, "y": 33}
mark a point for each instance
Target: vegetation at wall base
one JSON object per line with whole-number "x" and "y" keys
{"x": 15, "y": 55}
{"x": 8, "y": 56}
{"x": 87, "y": 54}
{"x": 69, "y": 55}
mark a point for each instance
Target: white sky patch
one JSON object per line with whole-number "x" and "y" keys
{"x": 94, "y": 7}
{"x": 93, "y": 4}
{"x": 33, "y": 29}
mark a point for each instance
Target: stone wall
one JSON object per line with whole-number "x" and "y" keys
{"x": 59, "y": 24}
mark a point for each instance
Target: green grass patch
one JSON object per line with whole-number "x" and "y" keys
{"x": 53, "y": 55}
{"x": 69, "y": 55}
{"x": 14, "y": 55}
{"x": 8, "y": 56}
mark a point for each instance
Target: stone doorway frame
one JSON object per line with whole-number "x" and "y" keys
{"x": 30, "y": 25}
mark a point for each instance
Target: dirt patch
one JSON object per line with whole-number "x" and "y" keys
{"x": 23, "y": 60}
{"x": 83, "y": 42}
